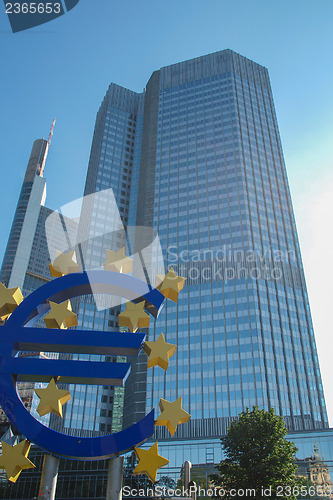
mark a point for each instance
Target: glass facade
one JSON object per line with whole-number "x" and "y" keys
{"x": 98, "y": 409}
{"x": 32, "y": 197}
{"x": 223, "y": 212}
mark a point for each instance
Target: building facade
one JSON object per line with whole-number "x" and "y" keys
{"x": 34, "y": 234}
{"x": 98, "y": 409}
{"x": 197, "y": 157}
{"x": 31, "y": 199}
{"x": 222, "y": 208}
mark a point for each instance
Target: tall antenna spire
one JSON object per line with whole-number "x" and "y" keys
{"x": 42, "y": 166}
{"x": 51, "y": 132}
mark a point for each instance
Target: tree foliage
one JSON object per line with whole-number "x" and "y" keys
{"x": 166, "y": 482}
{"x": 258, "y": 457}
{"x": 137, "y": 482}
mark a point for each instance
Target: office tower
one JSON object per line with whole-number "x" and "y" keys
{"x": 197, "y": 156}
{"x": 220, "y": 201}
{"x": 33, "y": 235}
{"x": 218, "y": 196}
{"x": 27, "y": 255}
{"x": 97, "y": 409}
{"x": 32, "y": 197}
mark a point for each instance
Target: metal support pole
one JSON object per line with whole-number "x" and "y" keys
{"x": 48, "y": 482}
{"x": 192, "y": 489}
{"x": 187, "y": 474}
{"x": 115, "y": 479}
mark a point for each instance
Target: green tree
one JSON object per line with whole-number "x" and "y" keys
{"x": 260, "y": 461}
{"x": 167, "y": 482}
{"x": 136, "y": 482}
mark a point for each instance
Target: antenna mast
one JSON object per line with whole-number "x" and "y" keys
{"x": 51, "y": 132}
{"x": 42, "y": 166}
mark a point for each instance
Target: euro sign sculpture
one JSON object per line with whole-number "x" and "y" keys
{"x": 18, "y": 335}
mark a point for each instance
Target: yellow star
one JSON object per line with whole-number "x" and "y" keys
{"x": 117, "y": 261}
{"x": 159, "y": 352}
{"x": 134, "y": 316}
{"x": 52, "y": 399}
{"x": 64, "y": 263}
{"x": 15, "y": 458}
{"x": 172, "y": 414}
{"x": 10, "y": 298}
{"x": 149, "y": 462}
{"x": 170, "y": 285}
{"x": 60, "y": 316}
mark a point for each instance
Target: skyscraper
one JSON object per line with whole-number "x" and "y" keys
{"x": 220, "y": 201}
{"x": 99, "y": 409}
{"x": 32, "y": 197}
{"x": 213, "y": 183}
{"x": 197, "y": 156}
{"x": 27, "y": 255}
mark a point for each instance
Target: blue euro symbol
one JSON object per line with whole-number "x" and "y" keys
{"x": 18, "y": 335}
{"x": 25, "y": 14}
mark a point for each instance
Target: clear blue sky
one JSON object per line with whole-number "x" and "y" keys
{"x": 63, "y": 69}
